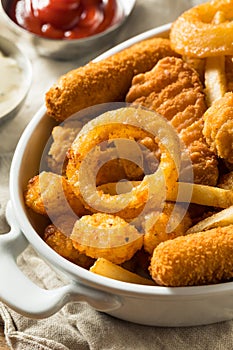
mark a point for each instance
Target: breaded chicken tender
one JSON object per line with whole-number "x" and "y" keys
{"x": 218, "y": 126}
{"x": 51, "y": 193}
{"x": 174, "y": 90}
{"x": 104, "y": 81}
{"x": 106, "y": 236}
{"x": 156, "y": 226}
{"x": 62, "y": 244}
{"x": 195, "y": 259}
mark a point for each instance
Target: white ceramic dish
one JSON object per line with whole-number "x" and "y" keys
{"x": 11, "y": 50}
{"x": 148, "y": 305}
{"x": 70, "y": 49}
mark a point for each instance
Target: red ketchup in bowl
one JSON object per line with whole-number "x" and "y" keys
{"x": 65, "y": 19}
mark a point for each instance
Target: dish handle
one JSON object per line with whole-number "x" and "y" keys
{"x": 25, "y": 297}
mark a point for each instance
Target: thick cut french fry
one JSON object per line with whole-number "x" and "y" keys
{"x": 214, "y": 76}
{"x": 222, "y": 218}
{"x": 188, "y": 192}
{"x": 106, "y": 268}
{"x": 201, "y": 194}
{"x": 215, "y": 79}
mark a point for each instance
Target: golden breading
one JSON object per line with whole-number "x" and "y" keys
{"x": 100, "y": 130}
{"x": 51, "y": 193}
{"x": 171, "y": 88}
{"x": 119, "y": 168}
{"x": 63, "y": 136}
{"x": 218, "y": 126}
{"x": 106, "y": 236}
{"x": 226, "y": 181}
{"x": 104, "y": 81}
{"x": 200, "y": 30}
{"x": 174, "y": 90}
{"x": 229, "y": 72}
{"x": 196, "y": 63}
{"x": 156, "y": 226}
{"x": 195, "y": 259}
{"x": 204, "y": 161}
{"x": 115, "y": 188}
{"x": 86, "y": 149}
{"x": 62, "y": 244}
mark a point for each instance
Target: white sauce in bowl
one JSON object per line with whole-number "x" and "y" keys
{"x": 11, "y": 84}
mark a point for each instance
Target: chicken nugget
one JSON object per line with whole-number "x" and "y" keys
{"x": 226, "y": 181}
{"x": 106, "y": 236}
{"x": 156, "y": 226}
{"x": 218, "y": 126}
{"x": 49, "y": 193}
{"x": 195, "y": 259}
{"x": 173, "y": 89}
{"x": 104, "y": 81}
{"x": 62, "y": 244}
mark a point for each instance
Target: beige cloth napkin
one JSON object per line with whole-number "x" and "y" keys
{"x": 77, "y": 325}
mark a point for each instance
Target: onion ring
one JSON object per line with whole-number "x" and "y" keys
{"x": 195, "y": 34}
{"x": 131, "y": 122}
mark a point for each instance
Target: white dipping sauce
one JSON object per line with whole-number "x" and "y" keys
{"x": 11, "y": 80}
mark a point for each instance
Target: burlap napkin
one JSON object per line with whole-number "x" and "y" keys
{"x": 77, "y": 325}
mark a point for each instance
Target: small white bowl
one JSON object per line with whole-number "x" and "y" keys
{"x": 75, "y": 48}
{"x": 9, "y": 49}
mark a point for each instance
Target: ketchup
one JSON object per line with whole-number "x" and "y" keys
{"x": 65, "y": 19}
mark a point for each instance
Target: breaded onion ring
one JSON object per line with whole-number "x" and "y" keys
{"x": 123, "y": 123}
{"x": 195, "y": 34}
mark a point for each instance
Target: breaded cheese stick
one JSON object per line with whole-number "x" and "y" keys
{"x": 195, "y": 259}
{"x": 104, "y": 81}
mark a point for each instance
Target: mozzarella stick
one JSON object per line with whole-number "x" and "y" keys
{"x": 195, "y": 259}
{"x": 104, "y": 81}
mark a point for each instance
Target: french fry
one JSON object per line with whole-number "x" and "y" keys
{"x": 223, "y": 218}
{"x": 202, "y": 194}
{"x": 215, "y": 79}
{"x": 188, "y": 192}
{"x": 106, "y": 268}
{"x": 214, "y": 76}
